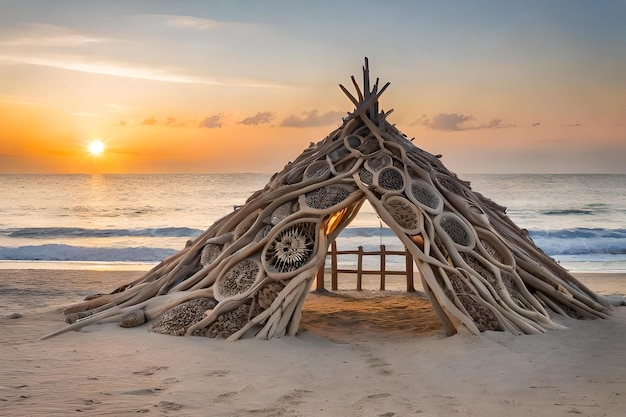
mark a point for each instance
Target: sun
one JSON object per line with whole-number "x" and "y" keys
{"x": 96, "y": 147}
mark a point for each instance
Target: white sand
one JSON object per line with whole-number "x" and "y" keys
{"x": 107, "y": 370}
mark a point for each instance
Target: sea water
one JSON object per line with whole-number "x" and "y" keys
{"x": 135, "y": 221}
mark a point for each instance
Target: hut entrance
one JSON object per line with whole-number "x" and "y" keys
{"x": 366, "y": 255}
{"x": 370, "y": 289}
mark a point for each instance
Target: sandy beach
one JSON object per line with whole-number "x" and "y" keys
{"x": 382, "y": 354}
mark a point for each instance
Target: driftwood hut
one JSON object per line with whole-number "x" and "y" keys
{"x": 251, "y": 271}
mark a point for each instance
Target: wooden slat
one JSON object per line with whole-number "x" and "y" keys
{"x": 333, "y": 267}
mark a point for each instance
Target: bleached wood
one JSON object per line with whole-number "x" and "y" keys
{"x": 480, "y": 271}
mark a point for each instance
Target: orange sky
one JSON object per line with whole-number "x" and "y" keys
{"x": 205, "y": 87}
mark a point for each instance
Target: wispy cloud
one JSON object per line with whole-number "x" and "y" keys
{"x": 63, "y": 47}
{"x": 456, "y": 122}
{"x": 258, "y": 119}
{"x": 149, "y": 121}
{"x": 190, "y": 22}
{"x": 174, "y": 122}
{"x": 496, "y": 124}
{"x": 211, "y": 122}
{"x": 128, "y": 70}
{"x": 313, "y": 118}
{"x": 202, "y": 24}
{"x": 44, "y": 35}
{"x": 153, "y": 121}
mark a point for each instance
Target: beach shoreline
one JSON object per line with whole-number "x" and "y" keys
{"x": 348, "y": 364}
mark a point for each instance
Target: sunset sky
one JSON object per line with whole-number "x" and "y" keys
{"x": 244, "y": 86}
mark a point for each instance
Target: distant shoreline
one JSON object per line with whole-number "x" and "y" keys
{"x": 145, "y": 266}
{"x": 604, "y": 283}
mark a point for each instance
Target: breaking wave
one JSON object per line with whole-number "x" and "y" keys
{"x": 581, "y": 242}
{"x": 568, "y": 212}
{"x": 64, "y": 253}
{"x": 78, "y": 232}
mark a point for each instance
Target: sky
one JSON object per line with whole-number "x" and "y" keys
{"x": 245, "y": 86}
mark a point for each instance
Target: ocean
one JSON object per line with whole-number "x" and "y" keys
{"x": 132, "y": 222}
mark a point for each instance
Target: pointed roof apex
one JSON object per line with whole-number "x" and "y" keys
{"x": 366, "y": 101}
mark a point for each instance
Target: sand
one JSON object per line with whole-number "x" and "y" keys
{"x": 381, "y": 355}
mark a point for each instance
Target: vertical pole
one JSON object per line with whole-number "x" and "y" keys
{"x": 333, "y": 266}
{"x": 382, "y": 267}
{"x": 319, "y": 283}
{"x": 359, "y": 269}
{"x": 410, "y": 285}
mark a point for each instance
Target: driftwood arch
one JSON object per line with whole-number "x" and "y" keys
{"x": 250, "y": 272}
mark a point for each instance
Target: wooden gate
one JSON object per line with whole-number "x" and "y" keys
{"x": 359, "y": 271}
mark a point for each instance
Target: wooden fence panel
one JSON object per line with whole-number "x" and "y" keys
{"x": 359, "y": 272}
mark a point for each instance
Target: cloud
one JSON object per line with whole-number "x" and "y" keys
{"x": 40, "y": 34}
{"x": 190, "y": 22}
{"x": 447, "y": 121}
{"x": 496, "y": 124}
{"x": 201, "y": 24}
{"x": 456, "y": 122}
{"x": 313, "y": 118}
{"x": 258, "y": 119}
{"x": 153, "y": 121}
{"x": 150, "y": 121}
{"x": 212, "y": 121}
{"x": 38, "y": 44}
{"x": 174, "y": 122}
{"x": 128, "y": 70}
